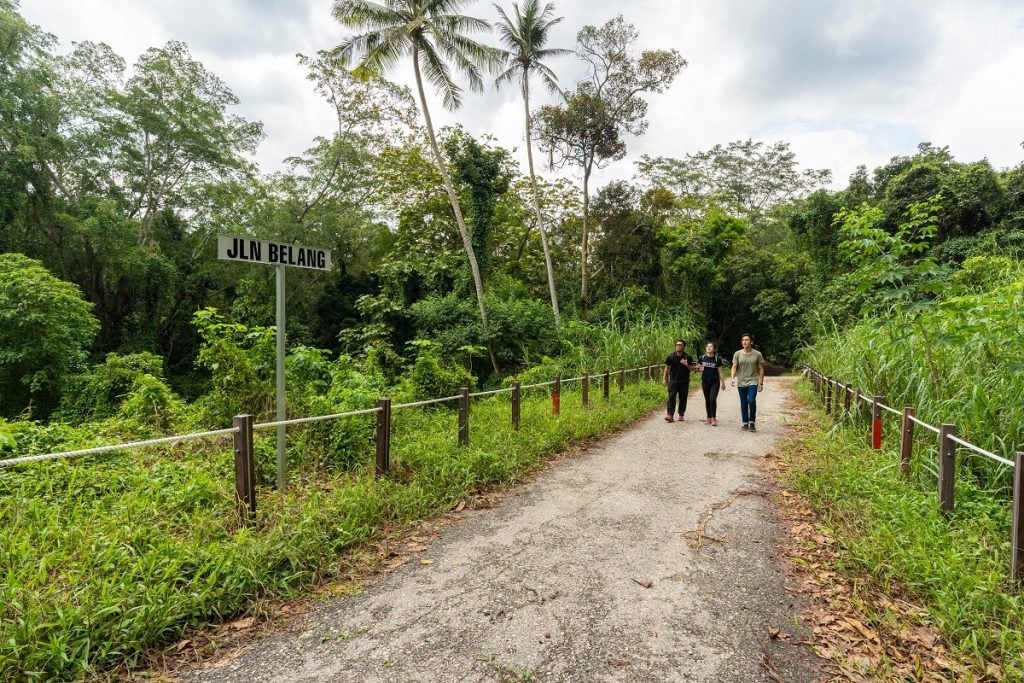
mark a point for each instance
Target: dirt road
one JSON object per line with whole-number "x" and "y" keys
{"x": 547, "y": 586}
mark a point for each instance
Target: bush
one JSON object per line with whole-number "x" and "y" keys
{"x": 150, "y": 403}
{"x": 429, "y": 377}
{"x": 98, "y": 393}
{"x": 242, "y": 363}
{"x": 45, "y": 328}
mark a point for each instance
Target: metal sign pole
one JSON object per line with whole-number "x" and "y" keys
{"x": 282, "y": 470}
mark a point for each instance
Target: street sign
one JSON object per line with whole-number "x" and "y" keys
{"x": 272, "y": 253}
{"x": 281, "y": 255}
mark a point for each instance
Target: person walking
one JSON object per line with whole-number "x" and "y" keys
{"x": 748, "y": 370}
{"x": 712, "y": 380}
{"x": 677, "y": 379}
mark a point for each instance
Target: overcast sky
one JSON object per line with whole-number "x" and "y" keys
{"x": 844, "y": 82}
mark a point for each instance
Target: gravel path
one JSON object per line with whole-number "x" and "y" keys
{"x": 543, "y": 587}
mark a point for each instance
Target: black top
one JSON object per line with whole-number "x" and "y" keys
{"x": 678, "y": 367}
{"x": 710, "y": 365}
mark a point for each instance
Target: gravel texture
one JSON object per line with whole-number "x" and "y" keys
{"x": 544, "y": 587}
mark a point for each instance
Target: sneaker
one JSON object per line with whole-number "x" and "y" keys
{"x": 752, "y": 427}
{"x": 714, "y": 422}
{"x": 746, "y": 427}
{"x": 681, "y": 418}
{"x": 668, "y": 418}
{"x": 707, "y": 421}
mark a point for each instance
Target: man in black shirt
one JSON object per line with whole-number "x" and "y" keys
{"x": 677, "y": 379}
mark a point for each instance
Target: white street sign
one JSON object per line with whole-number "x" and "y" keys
{"x": 272, "y": 253}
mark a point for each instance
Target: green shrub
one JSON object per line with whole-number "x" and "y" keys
{"x": 99, "y": 392}
{"x": 45, "y": 328}
{"x": 429, "y": 377}
{"x": 150, "y": 403}
{"x": 242, "y": 363}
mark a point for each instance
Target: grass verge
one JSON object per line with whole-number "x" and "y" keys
{"x": 891, "y": 531}
{"x": 105, "y": 557}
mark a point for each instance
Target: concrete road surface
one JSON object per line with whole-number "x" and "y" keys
{"x": 549, "y": 585}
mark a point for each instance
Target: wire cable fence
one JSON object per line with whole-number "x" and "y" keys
{"x": 828, "y": 389}
{"x": 243, "y": 427}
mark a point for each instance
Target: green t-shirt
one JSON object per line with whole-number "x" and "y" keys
{"x": 746, "y": 365}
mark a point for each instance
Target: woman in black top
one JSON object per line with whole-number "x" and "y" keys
{"x": 712, "y": 380}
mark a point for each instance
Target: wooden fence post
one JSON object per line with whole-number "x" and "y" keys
{"x": 907, "y": 441}
{"x": 622, "y": 380}
{"x": 876, "y": 422}
{"x": 846, "y": 399}
{"x": 383, "y": 440}
{"x": 555, "y": 396}
{"x": 1017, "y": 538}
{"x": 605, "y": 384}
{"x": 586, "y": 389}
{"x": 464, "y": 416}
{"x": 947, "y": 466}
{"x": 828, "y": 395}
{"x": 245, "y": 470}
{"x": 516, "y": 403}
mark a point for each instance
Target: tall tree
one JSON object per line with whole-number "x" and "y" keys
{"x": 746, "y": 178}
{"x": 431, "y": 32}
{"x": 605, "y": 106}
{"x": 524, "y": 36}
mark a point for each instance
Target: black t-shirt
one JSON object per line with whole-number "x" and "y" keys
{"x": 679, "y": 367}
{"x": 710, "y": 365}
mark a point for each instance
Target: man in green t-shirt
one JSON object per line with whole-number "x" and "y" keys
{"x": 748, "y": 371}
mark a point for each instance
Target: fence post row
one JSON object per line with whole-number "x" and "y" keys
{"x": 383, "y": 436}
{"x": 464, "y": 416}
{"x": 245, "y": 474}
{"x": 516, "y": 397}
{"x": 605, "y": 381}
{"x": 586, "y": 389}
{"x": 907, "y": 441}
{"x": 555, "y": 396}
{"x": 947, "y": 466}
{"x": 1017, "y": 537}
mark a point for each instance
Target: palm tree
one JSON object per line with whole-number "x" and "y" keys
{"x": 524, "y": 40}
{"x": 431, "y": 32}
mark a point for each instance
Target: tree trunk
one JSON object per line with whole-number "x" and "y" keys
{"x": 536, "y": 207}
{"x": 585, "y": 250}
{"x": 454, "y": 200}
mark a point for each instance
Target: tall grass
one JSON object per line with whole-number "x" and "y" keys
{"x": 107, "y": 556}
{"x": 955, "y": 362}
{"x": 628, "y": 337}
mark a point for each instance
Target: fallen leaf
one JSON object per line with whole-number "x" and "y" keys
{"x": 182, "y": 645}
{"x": 653, "y": 633}
{"x": 461, "y": 506}
{"x": 619, "y": 661}
{"x": 773, "y": 633}
{"x": 868, "y": 633}
{"x": 646, "y": 583}
{"x": 426, "y": 562}
{"x": 242, "y": 624}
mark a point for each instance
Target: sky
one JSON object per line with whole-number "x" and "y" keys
{"x": 844, "y": 82}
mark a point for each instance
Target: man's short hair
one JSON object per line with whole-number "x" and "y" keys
{"x": 680, "y": 341}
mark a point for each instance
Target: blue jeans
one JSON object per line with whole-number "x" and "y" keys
{"x": 748, "y": 404}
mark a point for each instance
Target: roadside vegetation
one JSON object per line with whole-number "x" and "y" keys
{"x": 107, "y": 556}
{"x": 891, "y": 530}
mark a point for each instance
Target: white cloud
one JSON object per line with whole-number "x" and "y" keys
{"x": 846, "y": 83}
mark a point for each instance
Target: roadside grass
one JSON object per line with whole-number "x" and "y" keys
{"x": 957, "y": 568}
{"x": 105, "y": 557}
